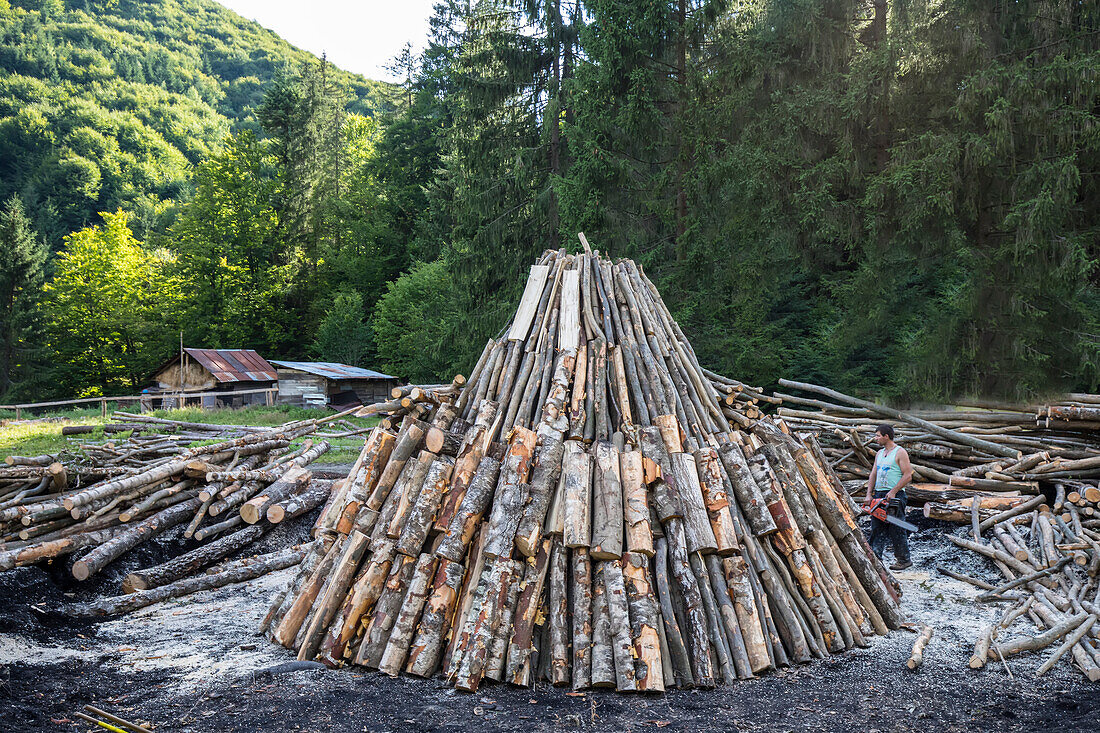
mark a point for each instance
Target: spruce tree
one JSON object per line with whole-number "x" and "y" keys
{"x": 22, "y": 259}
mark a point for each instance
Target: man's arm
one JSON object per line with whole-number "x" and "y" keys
{"x": 906, "y": 473}
{"x": 871, "y": 481}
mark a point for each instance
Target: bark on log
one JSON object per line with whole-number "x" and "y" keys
{"x": 716, "y": 501}
{"x": 386, "y": 609}
{"x": 420, "y": 518}
{"x": 405, "y": 447}
{"x": 582, "y": 618}
{"x": 291, "y": 483}
{"x": 239, "y": 573}
{"x": 560, "y": 648}
{"x": 577, "y": 475}
{"x": 695, "y": 613}
{"x": 341, "y": 577}
{"x": 191, "y": 562}
{"x": 679, "y": 657}
{"x": 544, "y": 481}
{"x": 644, "y": 623}
{"x": 639, "y": 536}
{"x": 467, "y": 463}
{"x": 359, "y": 603}
{"x": 475, "y": 501}
{"x": 521, "y": 647}
{"x": 607, "y": 504}
{"x": 602, "y": 654}
{"x": 131, "y": 537}
{"x": 916, "y": 658}
{"x": 397, "y": 648}
{"x": 622, "y": 645}
{"x": 696, "y": 522}
{"x": 748, "y": 619}
{"x": 296, "y": 506}
{"x": 427, "y": 647}
{"x": 511, "y": 494}
{"x": 502, "y": 631}
{"x": 749, "y": 497}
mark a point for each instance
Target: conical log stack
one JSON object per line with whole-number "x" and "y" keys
{"x": 581, "y": 510}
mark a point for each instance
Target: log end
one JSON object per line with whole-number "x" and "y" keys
{"x": 276, "y": 513}
{"x": 132, "y": 583}
{"x": 81, "y": 571}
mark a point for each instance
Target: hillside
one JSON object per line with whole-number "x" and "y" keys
{"x": 107, "y": 103}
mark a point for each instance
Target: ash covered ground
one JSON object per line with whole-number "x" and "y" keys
{"x": 196, "y": 664}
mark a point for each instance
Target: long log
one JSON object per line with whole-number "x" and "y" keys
{"x": 342, "y": 575}
{"x": 558, "y": 620}
{"x": 240, "y": 573}
{"x": 131, "y": 537}
{"x": 544, "y": 481}
{"x": 191, "y": 562}
{"x": 582, "y": 618}
{"x": 358, "y": 604}
{"x": 952, "y": 435}
{"x": 475, "y": 501}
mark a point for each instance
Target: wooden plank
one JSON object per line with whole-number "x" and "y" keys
{"x": 525, "y": 314}
{"x": 569, "y": 318}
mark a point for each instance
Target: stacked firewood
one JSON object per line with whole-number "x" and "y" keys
{"x": 1050, "y": 560}
{"x": 581, "y": 511}
{"x": 416, "y": 400}
{"x": 88, "y": 513}
{"x": 988, "y": 450}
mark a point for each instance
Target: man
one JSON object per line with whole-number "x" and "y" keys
{"x": 890, "y": 475}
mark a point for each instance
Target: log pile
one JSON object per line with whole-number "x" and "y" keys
{"x": 582, "y": 510}
{"x": 91, "y": 507}
{"x": 1049, "y": 558}
{"x": 978, "y": 449}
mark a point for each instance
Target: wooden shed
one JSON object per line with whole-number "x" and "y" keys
{"x": 228, "y": 371}
{"x": 320, "y": 383}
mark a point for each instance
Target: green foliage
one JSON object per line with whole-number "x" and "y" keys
{"x": 343, "y": 337}
{"x": 414, "y": 325}
{"x": 107, "y": 104}
{"x": 22, "y": 256}
{"x": 107, "y": 308}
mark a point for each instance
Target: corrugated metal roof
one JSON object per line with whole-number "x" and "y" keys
{"x": 331, "y": 370}
{"x": 234, "y": 365}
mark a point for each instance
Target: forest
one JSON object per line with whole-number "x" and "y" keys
{"x": 894, "y": 197}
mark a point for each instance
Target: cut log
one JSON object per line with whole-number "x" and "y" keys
{"x": 511, "y": 494}
{"x": 397, "y": 648}
{"x": 607, "y": 504}
{"x": 238, "y": 573}
{"x": 427, "y": 647}
{"x": 916, "y": 658}
{"x": 577, "y": 475}
{"x": 639, "y": 536}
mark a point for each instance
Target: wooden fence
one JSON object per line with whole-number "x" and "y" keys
{"x": 181, "y": 399}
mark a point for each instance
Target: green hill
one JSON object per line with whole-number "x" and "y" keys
{"x": 107, "y": 103}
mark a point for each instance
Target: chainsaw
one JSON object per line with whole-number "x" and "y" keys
{"x": 879, "y": 509}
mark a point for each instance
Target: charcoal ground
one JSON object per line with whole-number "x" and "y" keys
{"x": 195, "y": 664}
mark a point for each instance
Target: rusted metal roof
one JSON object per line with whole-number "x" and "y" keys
{"x": 234, "y": 365}
{"x": 331, "y": 370}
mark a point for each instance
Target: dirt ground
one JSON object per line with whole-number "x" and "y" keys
{"x": 196, "y": 664}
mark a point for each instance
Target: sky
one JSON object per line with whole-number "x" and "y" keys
{"x": 361, "y": 36}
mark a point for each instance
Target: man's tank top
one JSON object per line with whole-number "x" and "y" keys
{"x": 889, "y": 472}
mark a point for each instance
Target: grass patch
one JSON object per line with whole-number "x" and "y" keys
{"x": 36, "y": 438}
